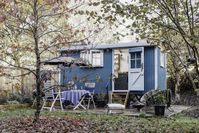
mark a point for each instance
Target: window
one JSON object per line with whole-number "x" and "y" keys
{"x": 135, "y": 59}
{"x": 85, "y": 56}
{"x": 96, "y": 58}
{"x": 162, "y": 59}
{"x": 93, "y": 57}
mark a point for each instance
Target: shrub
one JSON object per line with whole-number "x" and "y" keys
{"x": 27, "y": 100}
{"x": 100, "y": 97}
{"x": 142, "y": 115}
{"x": 156, "y": 97}
{"x": 15, "y": 97}
{"x": 3, "y": 100}
{"x": 159, "y": 99}
{"x": 3, "y": 96}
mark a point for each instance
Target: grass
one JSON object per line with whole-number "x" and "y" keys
{"x": 116, "y": 123}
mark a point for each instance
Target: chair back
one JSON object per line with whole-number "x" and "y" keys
{"x": 48, "y": 90}
{"x": 49, "y": 94}
{"x": 90, "y": 86}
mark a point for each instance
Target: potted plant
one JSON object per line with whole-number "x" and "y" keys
{"x": 100, "y": 99}
{"x": 159, "y": 101}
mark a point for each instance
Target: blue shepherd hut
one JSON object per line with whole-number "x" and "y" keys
{"x": 135, "y": 66}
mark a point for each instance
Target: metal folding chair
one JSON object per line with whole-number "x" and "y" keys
{"x": 89, "y": 96}
{"x": 51, "y": 96}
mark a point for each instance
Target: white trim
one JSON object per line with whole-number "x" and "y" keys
{"x": 156, "y": 67}
{"x": 113, "y": 86}
{"x": 165, "y": 62}
{"x": 120, "y": 91}
{"x": 165, "y": 70}
{"x": 102, "y": 58}
{"x": 59, "y": 76}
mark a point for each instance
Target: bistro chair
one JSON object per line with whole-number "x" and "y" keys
{"x": 88, "y": 97}
{"x": 51, "y": 97}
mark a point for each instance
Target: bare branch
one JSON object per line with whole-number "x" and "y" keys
{"x": 24, "y": 68}
{"x": 167, "y": 10}
{"x": 68, "y": 42}
{"x": 188, "y": 17}
{"x": 14, "y": 76}
{"x": 62, "y": 12}
{"x": 49, "y": 32}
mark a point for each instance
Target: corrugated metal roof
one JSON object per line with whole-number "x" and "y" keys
{"x": 106, "y": 46}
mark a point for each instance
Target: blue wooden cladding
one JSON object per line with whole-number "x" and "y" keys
{"x": 154, "y": 72}
{"x": 149, "y": 68}
{"x": 161, "y": 72}
{"x": 100, "y": 75}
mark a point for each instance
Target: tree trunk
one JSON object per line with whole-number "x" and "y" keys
{"x": 22, "y": 82}
{"x": 176, "y": 76}
{"x": 185, "y": 66}
{"x": 196, "y": 66}
{"x": 177, "y": 83}
{"x": 38, "y": 62}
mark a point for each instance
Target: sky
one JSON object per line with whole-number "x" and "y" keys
{"x": 106, "y": 36}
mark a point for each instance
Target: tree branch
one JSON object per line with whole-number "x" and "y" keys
{"x": 24, "y": 68}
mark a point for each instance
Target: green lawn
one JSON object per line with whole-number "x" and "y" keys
{"x": 116, "y": 123}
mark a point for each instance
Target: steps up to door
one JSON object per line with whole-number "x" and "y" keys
{"x": 119, "y": 97}
{"x": 118, "y": 101}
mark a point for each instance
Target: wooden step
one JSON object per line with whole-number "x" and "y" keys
{"x": 119, "y": 97}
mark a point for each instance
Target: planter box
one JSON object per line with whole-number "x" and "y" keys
{"x": 159, "y": 110}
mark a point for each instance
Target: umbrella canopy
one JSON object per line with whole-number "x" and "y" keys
{"x": 66, "y": 61}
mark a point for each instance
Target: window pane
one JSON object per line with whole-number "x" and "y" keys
{"x": 96, "y": 62}
{"x": 96, "y": 58}
{"x": 83, "y": 55}
{"x": 138, "y": 55}
{"x": 95, "y": 55}
{"x": 138, "y": 63}
{"x": 132, "y": 55}
{"x": 132, "y": 63}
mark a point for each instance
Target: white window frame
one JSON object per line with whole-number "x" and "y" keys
{"x": 101, "y": 58}
{"x": 162, "y": 59}
{"x": 87, "y": 55}
{"x": 136, "y": 59}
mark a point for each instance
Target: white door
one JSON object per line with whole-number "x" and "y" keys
{"x": 136, "y": 69}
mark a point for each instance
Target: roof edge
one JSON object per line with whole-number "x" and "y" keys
{"x": 106, "y": 46}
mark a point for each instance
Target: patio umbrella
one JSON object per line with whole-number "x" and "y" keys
{"x": 66, "y": 61}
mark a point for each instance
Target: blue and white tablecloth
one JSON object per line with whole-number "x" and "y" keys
{"x": 73, "y": 95}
